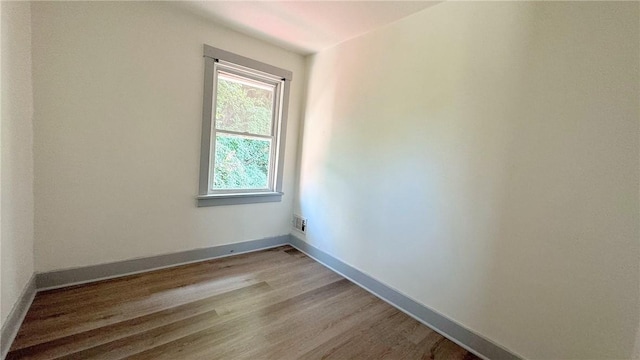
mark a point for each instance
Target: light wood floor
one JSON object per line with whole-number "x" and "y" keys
{"x": 272, "y": 304}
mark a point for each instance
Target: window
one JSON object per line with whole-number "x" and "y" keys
{"x": 243, "y": 128}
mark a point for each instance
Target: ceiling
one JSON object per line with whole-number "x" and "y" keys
{"x": 305, "y": 26}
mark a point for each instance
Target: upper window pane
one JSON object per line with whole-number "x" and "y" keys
{"x": 244, "y": 105}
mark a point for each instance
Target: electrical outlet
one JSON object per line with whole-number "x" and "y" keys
{"x": 300, "y": 223}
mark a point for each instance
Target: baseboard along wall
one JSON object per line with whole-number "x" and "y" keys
{"x": 67, "y": 277}
{"x": 16, "y": 316}
{"x": 464, "y": 337}
{"x": 457, "y": 333}
{"x": 80, "y": 275}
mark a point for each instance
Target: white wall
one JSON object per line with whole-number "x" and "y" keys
{"x": 482, "y": 158}
{"x": 16, "y": 189}
{"x": 118, "y": 115}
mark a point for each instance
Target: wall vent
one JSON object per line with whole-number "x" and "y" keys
{"x": 300, "y": 223}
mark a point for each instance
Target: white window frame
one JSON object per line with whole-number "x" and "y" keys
{"x": 217, "y": 60}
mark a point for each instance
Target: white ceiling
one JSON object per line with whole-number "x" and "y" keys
{"x": 305, "y": 26}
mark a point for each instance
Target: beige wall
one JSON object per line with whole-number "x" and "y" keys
{"x": 482, "y": 158}
{"x": 16, "y": 189}
{"x": 118, "y": 113}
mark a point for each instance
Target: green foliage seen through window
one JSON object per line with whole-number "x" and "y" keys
{"x": 242, "y": 162}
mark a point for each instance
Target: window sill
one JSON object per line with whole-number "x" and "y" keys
{"x": 234, "y": 199}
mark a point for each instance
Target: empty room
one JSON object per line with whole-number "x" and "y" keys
{"x": 320, "y": 180}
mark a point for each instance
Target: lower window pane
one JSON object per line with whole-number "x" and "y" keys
{"x": 241, "y": 163}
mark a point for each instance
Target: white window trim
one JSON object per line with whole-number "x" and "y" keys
{"x": 206, "y": 197}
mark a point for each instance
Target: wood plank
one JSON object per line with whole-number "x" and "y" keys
{"x": 237, "y": 332}
{"x": 271, "y": 304}
{"x": 81, "y": 341}
{"x": 63, "y": 318}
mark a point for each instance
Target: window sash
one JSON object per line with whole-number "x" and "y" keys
{"x": 270, "y": 170}
{"x": 276, "y": 114}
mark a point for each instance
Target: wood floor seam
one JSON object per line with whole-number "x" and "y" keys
{"x": 192, "y": 307}
{"x": 272, "y": 304}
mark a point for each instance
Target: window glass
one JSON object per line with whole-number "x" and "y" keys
{"x": 244, "y": 105}
{"x": 241, "y": 162}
